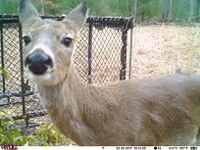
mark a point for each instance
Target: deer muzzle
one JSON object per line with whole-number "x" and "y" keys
{"x": 38, "y": 62}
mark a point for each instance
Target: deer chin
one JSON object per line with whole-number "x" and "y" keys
{"x": 44, "y": 79}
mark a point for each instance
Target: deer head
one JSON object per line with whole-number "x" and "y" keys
{"x": 49, "y": 44}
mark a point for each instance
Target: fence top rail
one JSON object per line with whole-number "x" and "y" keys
{"x": 8, "y": 18}
{"x": 116, "y": 22}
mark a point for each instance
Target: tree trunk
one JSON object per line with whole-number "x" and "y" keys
{"x": 198, "y": 15}
{"x": 193, "y": 8}
{"x": 164, "y": 10}
{"x": 135, "y": 10}
{"x": 42, "y": 7}
{"x": 170, "y": 16}
{"x": 197, "y": 9}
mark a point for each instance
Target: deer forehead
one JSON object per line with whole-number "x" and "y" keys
{"x": 49, "y": 29}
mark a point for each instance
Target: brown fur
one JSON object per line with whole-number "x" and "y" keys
{"x": 157, "y": 111}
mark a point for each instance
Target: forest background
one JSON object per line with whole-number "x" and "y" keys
{"x": 142, "y": 10}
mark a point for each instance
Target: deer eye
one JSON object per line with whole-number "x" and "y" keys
{"x": 26, "y": 39}
{"x": 66, "y": 41}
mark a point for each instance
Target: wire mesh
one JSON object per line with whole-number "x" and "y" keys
{"x": 11, "y": 61}
{"x": 106, "y": 53}
{"x": 100, "y": 58}
{"x": 80, "y": 56}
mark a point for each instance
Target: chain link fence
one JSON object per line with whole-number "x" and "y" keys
{"x": 102, "y": 56}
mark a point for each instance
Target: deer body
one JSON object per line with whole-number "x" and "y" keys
{"x": 158, "y": 111}
{"x": 142, "y": 113}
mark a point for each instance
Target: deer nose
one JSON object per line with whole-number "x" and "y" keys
{"x": 38, "y": 62}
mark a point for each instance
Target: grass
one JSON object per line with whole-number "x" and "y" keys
{"x": 162, "y": 49}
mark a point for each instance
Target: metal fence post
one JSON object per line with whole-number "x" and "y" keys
{"x": 90, "y": 53}
{"x": 131, "y": 52}
{"x": 2, "y": 56}
{"x": 22, "y": 75}
{"x": 123, "y": 55}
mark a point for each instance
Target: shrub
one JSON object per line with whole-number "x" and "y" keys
{"x": 45, "y": 135}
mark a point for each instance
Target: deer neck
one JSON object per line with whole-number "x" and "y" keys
{"x": 72, "y": 100}
{"x": 62, "y": 94}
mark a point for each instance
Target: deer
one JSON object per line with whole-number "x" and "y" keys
{"x": 153, "y": 111}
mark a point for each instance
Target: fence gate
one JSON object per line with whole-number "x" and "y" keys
{"x": 100, "y": 58}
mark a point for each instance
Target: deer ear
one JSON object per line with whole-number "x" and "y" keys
{"x": 77, "y": 17}
{"x": 28, "y": 13}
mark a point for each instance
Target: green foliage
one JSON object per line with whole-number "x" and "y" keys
{"x": 8, "y": 6}
{"x": 48, "y": 135}
{"x": 4, "y": 72}
{"x": 181, "y": 9}
{"x": 148, "y": 10}
{"x": 45, "y": 134}
{"x": 8, "y": 133}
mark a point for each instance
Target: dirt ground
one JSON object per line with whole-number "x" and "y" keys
{"x": 162, "y": 49}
